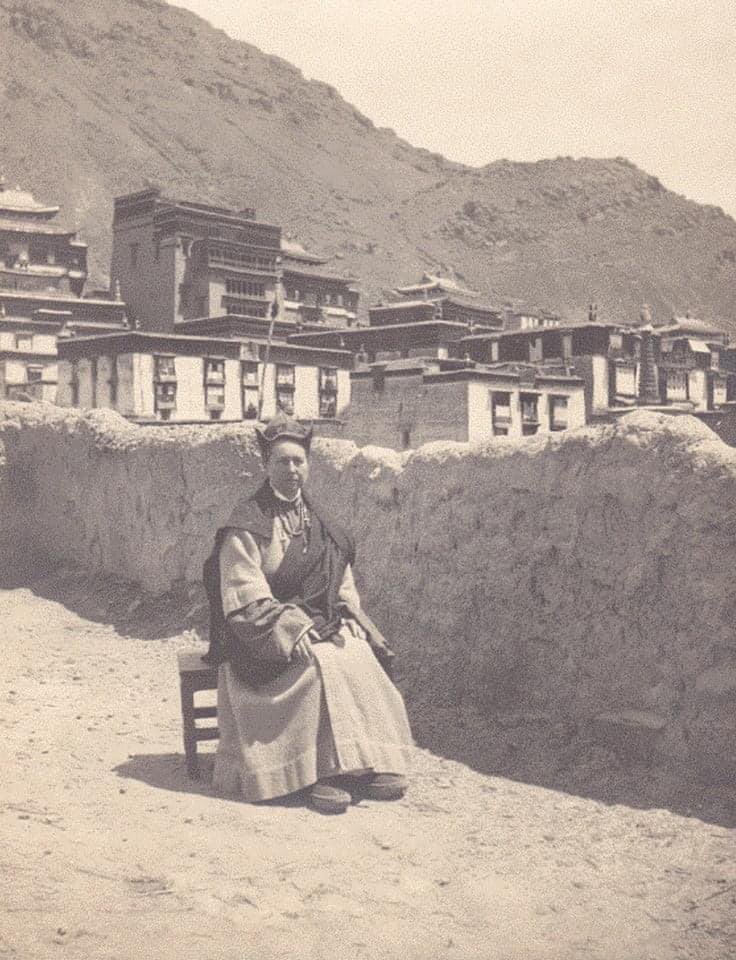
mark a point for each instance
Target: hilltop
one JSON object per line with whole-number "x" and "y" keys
{"x": 102, "y": 97}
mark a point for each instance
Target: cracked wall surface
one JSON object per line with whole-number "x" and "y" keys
{"x": 587, "y": 573}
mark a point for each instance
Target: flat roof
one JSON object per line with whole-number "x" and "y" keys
{"x": 371, "y": 333}
{"x": 33, "y": 322}
{"x": 49, "y": 358}
{"x": 164, "y": 205}
{"x": 469, "y": 373}
{"x": 61, "y": 297}
{"x": 456, "y": 370}
{"x": 538, "y": 331}
{"x": 168, "y": 342}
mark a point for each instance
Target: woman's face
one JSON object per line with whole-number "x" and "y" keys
{"x": 287, "y": 467}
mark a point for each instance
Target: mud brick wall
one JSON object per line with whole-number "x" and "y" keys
{"x": 581, "y": 573}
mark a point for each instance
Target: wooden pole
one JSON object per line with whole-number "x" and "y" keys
{"x": 274, "y": 314}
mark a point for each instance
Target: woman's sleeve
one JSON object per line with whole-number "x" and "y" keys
{"x": 358, "y": 620}
{"x": 348, "y": 592}
{"x": 268, "y": 629}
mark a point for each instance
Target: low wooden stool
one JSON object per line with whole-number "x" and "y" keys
{"x": 195, "y": 675}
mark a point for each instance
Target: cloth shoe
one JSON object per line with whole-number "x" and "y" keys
{"x": 327, "y": 797}
{"x": 382, "y": 786}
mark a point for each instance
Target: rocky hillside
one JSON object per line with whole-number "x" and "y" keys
{"x": 101, "y": 96}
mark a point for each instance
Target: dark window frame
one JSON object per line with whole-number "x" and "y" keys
{"x": 529, "y": 425}
{"x": 500, "y": 424}
{"x": 552, "y": 400}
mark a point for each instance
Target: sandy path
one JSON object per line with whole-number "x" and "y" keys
{"x": 109, "y": 851}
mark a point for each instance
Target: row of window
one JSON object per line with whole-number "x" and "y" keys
{"x": 165, "y": 388}
{"x": 37, "y": 253}
{"x": 529, "y": 409}
{"x": 677, "y": 387}
{"x": 227, "y": 256}
{"x": 536, "y": 348}
{"x": 244, "y": 308}
{"x": 244, "y": 288}
{"x": 236, "y": 304}
{"x": 328, "y": 298}
{"x": 615, "y": 343}
{"x": 236, "y": 257}
{"x": 677, "y": 382}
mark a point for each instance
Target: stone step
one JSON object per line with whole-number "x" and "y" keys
{"x": 633, "y": 734}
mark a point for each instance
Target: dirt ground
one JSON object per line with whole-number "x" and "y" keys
{"x": 109, "y": 852}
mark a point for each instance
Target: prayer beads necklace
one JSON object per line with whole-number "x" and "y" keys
{"x": 298, "y": 528}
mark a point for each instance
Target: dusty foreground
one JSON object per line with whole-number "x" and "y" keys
{"x": 107, "y": 850}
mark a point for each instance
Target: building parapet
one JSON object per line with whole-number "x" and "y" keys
{"x": 138, "y": 341}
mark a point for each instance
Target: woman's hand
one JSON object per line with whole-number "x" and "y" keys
{"x": 355, "y": 628}
{"x": 303, "y": 649}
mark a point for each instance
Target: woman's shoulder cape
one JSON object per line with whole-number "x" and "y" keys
{"x": 252, "y": 513}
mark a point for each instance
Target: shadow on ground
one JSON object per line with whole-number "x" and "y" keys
{"x": 129, "y": 609}
{"x": 167, "y": 771}
{"x": 555, "y": 753}
{"x": 561, "y": 754}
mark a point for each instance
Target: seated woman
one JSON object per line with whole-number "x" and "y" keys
{"x": 302, "y": 698}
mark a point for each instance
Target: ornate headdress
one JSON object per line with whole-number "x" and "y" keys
{"x": 283, "y": 428}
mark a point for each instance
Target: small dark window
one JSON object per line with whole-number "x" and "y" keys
{"x": 328, "y": 392}
{"x": 75, "y": 385}
{"x": 285, "y": 388}
{"x": 113, "y": 380}
{"x": 500, "y": 413}
{"x": 164, "y": 386}
{"x": 285, "y": 375}
{"x": 214, "y": 370}
{"x": 214, "y": 384}
{"x": 250, "y": 388}
{"x": 558, "y": 413}
{"x": 214, "y": 397}
{"x": 164, "y": 368}
{"x": 529, "y": 414}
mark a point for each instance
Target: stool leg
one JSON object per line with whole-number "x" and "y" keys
{"x": 190, "y": 734}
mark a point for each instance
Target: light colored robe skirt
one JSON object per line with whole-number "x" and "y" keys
{"x": 338, "y": 714}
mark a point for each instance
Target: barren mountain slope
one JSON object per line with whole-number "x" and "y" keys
{"x": 99, "y": 97}
{"x": 569, "y": 231}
